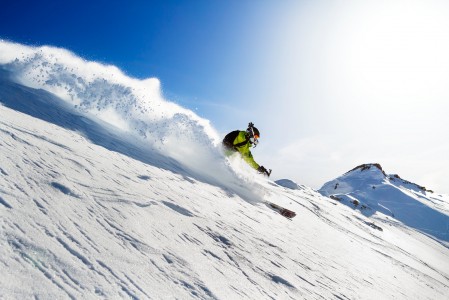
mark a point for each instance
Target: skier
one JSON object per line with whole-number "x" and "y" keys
{"x": 241, "y": 141}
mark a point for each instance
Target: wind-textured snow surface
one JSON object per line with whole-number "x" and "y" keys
{"x": 88, "y": 210}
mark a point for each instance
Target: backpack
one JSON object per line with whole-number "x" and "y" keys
{"x": 229, "y": 139}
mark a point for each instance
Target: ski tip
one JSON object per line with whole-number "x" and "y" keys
{"x": 288, "y": 214}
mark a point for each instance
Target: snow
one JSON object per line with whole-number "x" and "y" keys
{"x": 90, "y": 208}
{"x": 288, "y": 184}
{"x": 371, "y": 190}
{"x": 102, "y": 91}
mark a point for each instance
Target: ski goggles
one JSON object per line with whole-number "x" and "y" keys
{"x": 254, "y": 139}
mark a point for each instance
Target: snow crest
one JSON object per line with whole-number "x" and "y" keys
{"x": 135, "y": 106}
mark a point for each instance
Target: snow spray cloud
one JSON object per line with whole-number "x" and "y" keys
{"x": 132, "y": 105}
{"x": 135, "y": 106}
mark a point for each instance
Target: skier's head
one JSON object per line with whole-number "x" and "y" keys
{"x": 254, "y": 134}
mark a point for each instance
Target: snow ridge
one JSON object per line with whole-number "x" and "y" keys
{"x": 369, "y": 189}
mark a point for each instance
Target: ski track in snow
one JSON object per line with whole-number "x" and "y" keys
{"x": 86, "y": 212}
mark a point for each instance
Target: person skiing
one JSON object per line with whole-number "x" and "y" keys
{"x": 241, "y": 142}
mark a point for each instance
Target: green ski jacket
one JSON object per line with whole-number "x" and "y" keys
{"x": 244, "y": 150}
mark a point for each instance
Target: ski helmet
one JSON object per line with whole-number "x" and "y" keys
{"x": 254, "y": 134}
{"x": 253, "y": 131}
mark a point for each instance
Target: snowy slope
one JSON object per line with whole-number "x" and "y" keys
{"x": 89, "y": 209}
{"x": 369, "y": 189}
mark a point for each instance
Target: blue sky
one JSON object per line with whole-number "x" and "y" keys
{"x": 329, "y": 84}
{"x": 202, "y": 51}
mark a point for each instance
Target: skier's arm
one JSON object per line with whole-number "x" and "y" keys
{"x": 248, "y": 157}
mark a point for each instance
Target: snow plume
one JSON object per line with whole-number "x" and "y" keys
{"x": 136, "y": 107}
{"x": 132, "y": 105}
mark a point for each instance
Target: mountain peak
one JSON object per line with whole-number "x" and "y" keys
{"x": 369, "y": 189}
{"x": 394, "y": 178}
{"x": 364, "y": 167}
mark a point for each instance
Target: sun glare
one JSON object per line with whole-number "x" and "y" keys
{"x": 395, "y": 52}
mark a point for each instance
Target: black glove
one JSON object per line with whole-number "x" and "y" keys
{"x": 264, "y": 171}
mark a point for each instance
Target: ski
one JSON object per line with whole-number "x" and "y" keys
{"x": 289, "y": 214}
